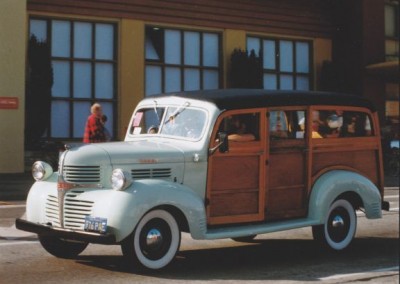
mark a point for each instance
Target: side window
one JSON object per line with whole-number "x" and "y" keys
{"x": 286, "y": 124}
{"x": 341, "y": 124}
{"x": 241, "y": 127}
{"x": 146, "y": 121}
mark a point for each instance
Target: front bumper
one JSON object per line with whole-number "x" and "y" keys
{"x": 48, "y": 230}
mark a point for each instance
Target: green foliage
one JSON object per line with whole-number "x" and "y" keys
{"x": 246, "y": 70}
{"x": 38, "y": 91}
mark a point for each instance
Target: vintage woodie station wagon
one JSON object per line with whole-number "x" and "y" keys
{"x": 216, "y": 164}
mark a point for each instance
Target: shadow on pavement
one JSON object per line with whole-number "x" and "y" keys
{"x": 301, "y": 260}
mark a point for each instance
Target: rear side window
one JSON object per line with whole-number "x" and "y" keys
{"x": 340, "y": 124}
{"x": 287, "y": 124}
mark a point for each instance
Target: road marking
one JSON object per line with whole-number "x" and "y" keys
{"x": 391, "y": 196}
{"x": 12, "y": 206}
{"x": 19, "y": 243}
{"x": 12, "y": 233}
{"x": 392, "y": 188}
{"x": 340, "y": 276}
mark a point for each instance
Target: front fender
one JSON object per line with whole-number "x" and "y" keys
{"x": 36, "y": 199}
{"x": 144, "y": 195}
{"x": 334, "y": 183}
{"x": 124, "y": 209}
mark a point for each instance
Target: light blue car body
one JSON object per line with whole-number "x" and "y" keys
{"x": 184, "y": 192}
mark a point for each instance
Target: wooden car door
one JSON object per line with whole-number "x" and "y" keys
{"x": 286, "y": 175}
{"x": 235, "y": 185}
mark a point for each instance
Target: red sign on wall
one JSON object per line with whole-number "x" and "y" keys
{"x": 9, "y": 103}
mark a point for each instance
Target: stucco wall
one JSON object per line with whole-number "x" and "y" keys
{"x": 131, "y": 75}
{"x": 12, "y": 84}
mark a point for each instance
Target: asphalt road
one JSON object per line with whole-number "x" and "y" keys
{"x": 284, "y": 257}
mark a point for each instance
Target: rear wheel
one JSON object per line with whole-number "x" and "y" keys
{"x": 62, "y": 248}
{"x": 154, "y": 242}
{"x": 340, "y": 226}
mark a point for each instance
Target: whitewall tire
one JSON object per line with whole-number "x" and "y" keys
{"x": 340, "y": 226}
{"x": 154, "y": 242}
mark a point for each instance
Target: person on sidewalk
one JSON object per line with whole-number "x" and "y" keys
{"x": 94, "y": 129}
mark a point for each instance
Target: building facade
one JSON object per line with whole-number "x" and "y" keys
{"x": 117, "y": 52}
{"x": 12, "y": 82}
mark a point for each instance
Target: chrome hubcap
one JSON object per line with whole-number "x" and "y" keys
{"x": 337, "y": 222}
{"x": 154, "y": 238}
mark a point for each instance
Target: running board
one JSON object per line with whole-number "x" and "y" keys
{"x": 257, "y": 229}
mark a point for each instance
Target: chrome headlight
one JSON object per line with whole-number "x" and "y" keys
{"x": 41, "y": 170}
{"x": 119, "y": 181}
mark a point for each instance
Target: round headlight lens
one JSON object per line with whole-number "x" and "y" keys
{"x": 118, "y": 179}
{"x": 41, "y": 171}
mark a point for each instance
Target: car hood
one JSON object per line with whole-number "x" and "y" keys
{"x": 123, "y": 153}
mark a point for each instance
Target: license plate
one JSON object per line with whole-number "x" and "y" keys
{"x": 95, "y": 224}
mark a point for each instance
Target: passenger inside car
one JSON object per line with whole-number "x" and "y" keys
{"x": 238, "y": 130}
{"x": 240, "y": 127}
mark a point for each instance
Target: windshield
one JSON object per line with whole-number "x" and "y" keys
{"x": 171, "y": 121}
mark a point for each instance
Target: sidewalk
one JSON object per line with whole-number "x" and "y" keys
{"x": 15, "y": 187}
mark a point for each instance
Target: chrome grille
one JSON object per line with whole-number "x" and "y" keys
{"x": 75, "y": 210}
{"x": 151, "y": 173}
{"x": 81, "y": 174}
{"x": 51, "y": 211}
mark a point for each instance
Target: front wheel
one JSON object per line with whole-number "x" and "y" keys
{"x": 154, "y": 242}
{"x": 340, "y": 226}
{"x": 62, "y": 248}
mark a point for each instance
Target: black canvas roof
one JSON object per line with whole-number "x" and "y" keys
{"x": 227, "y": 99}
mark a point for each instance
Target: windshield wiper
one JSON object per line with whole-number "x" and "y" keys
{"x": 177, "y": 112}
{"x": 155, "y": 110}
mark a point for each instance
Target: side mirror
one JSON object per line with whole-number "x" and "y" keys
{"x": 223, "y": 142}
{"x": 222, "y": 145}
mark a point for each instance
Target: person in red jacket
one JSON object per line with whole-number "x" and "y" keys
{"x": 94, "y": 129}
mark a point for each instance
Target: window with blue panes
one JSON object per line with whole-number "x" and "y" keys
{"x": 83, "y": 56}
{"x": 181, "y": 60}
{"x": 286, "y": 63}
